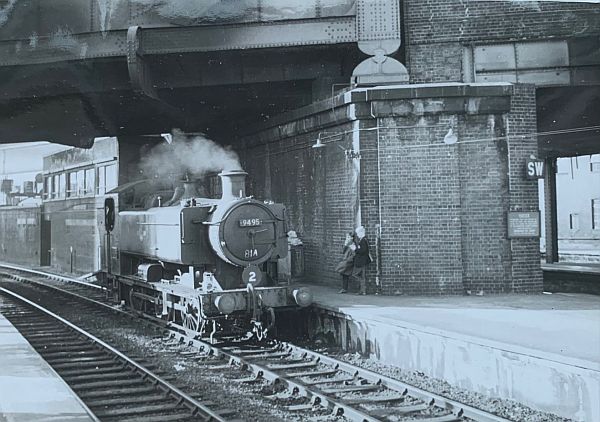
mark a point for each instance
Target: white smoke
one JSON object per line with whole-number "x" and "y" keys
{"x": 193, "y": 155}
{"x": 106, "y": 9}
{"x": 5, "y": 11}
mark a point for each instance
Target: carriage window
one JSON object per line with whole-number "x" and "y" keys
{"x": 53, "y": 187}
{"x": 80, "y": 182}
{"x": 62, "y": 185}
{"x": 112, "y": 179}
{"x": 107, "y": 178}
{"x": 90, "y": 181}
{"x": 72, "y": 187}
{"x": 47, "y": 185}
{"x": 101, "y": 177}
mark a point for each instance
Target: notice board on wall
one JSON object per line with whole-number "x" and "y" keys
{"x": 523, "y": 224}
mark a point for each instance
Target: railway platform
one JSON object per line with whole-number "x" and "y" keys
{"x": 30, "y": 390}
{"x": 540, "y": 350}
{"x": 572, "y": 277}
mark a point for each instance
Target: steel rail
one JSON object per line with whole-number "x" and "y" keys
{"x": 51, "y": 275}
{"x": 455, "y": 407}
{"x": 337, "y": 407}
{"x": 190, "y": 402}
{"x": 67, "y": 292}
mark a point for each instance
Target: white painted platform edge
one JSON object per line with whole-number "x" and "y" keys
{"x": 577, "y": 364}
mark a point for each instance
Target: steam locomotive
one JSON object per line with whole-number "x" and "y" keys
{"x": 207, "y": 266}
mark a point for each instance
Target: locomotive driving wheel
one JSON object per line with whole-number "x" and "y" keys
{"x": 190, "y": 313}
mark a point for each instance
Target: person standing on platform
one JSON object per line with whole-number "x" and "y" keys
{"x": 362, "y": 258}
{"x": 346, "y": 265}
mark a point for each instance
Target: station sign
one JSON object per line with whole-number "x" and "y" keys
{"x": 523, "y": 224}
{"x": 534, "y": 169}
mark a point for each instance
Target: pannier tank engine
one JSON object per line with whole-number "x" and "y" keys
{"x": 202, "y": 264}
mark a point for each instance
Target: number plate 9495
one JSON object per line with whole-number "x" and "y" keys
{"x": 250, "y": 222}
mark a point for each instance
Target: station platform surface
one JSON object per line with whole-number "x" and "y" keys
{"x": 572, "y": 277}
{"x": 30, "y": 390}
{"x": 573, "y": 267}
{"x": 541, "y": 350}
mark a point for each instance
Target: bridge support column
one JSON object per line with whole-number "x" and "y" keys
{"x": 379, "y": 35}
{"x": 431, "y": 171}
{"x": 551, "y": 211}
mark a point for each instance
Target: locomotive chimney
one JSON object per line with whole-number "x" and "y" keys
{"x": 233, "y": 183}
{"x": 189, "y": 188}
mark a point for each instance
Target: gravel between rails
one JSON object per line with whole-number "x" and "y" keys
{"x": 508, "y": 409}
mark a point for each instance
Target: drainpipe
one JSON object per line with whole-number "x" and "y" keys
{"x": 378, "y": 257}
{"x": 71, "y": 255}
{"x": 379, "y": 227}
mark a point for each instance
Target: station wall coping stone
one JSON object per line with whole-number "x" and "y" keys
{"x": 361, "y": 95}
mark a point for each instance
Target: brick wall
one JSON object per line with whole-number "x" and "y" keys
{"x": 318, "y": 186}
{"x": 522, "y": 144}
{"x": 484, "y": 193}
{"x": 444, "y": 206}
{"x": 421, "y": 241}
{"x": 439, "y": 210}
{"x": 435, "y": 31}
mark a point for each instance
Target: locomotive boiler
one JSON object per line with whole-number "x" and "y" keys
{"x": 205, "y": 265}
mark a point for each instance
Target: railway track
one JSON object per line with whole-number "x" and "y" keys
{"x": 313, "y": 381}
{"x": 308, "y": 382}
{"x": 114, "y": 386}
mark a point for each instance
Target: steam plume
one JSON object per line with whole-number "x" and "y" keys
{"x": 192, "y": 155}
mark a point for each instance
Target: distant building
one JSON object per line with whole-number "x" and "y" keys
{"x": 578, "y": 208}
{"x": 21, "y": 166}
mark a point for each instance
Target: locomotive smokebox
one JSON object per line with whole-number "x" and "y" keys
{"x": 233, "y": 183}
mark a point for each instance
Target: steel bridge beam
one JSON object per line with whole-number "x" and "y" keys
{"x": 171, "y": 40}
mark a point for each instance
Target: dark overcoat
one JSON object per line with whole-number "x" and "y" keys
{"x": 362, "y": 258}
{"x": 346, "y": 264}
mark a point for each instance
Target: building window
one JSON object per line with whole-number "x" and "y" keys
{"x": 563, "y": 166}
{"x": 574, "y": 221}
{"x": 541, "y": 62}
{"x": 112, "y": 177}
{"x": 72, "y": 188}
{"x": 62, "y": 185}
{"x": 107, "y": 178}
{"x": 90, "y": 181}
{"x": 595, "y": 163}
{"x": 101, "y": 187}
{"x": 54, "y": 186}
{"x": 80, "y": 182}
{"x": 596, "y": 214}
{"x": 47, "y": 185}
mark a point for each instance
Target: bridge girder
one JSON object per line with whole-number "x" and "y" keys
{"x": 184, "y": 67}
